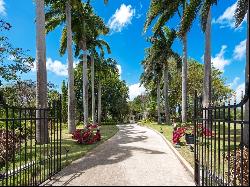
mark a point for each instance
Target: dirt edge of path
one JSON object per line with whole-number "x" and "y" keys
{"x": 187, "y": 166}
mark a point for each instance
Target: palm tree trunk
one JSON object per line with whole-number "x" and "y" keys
{"x": 93, "y": 87}
{"x": 71, "y": 93}
{"x": 41, "y": 89}
{"x": 99, "y": 102}
{"x": 246, "y": 115}
{"x": 207, "y": 66}
{"x": 158, "y": 101}
{"x": 184, "y": 81}
{"x": 85, "y": 83}
{"x": 165, "y": 91}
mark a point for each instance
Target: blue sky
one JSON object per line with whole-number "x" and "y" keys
{"x": 126, "y": 19}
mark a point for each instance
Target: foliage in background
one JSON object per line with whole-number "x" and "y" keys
{"x": 195, "y": 81}
{"x": 114, "y": 91}
{"x": 13, "y": 61}
{"x": 22, "y": 93}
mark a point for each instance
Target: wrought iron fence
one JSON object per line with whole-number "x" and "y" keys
{"x": 30, "y": 144}
{"x": 221, "y": 152}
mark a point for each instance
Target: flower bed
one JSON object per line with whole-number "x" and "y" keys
{"x": 88, "y": 135}
{"x": 179, "y": 132}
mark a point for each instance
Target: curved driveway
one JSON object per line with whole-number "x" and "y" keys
{"x": 134, "y": 156}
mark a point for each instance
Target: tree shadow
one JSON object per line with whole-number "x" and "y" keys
{"x": 117, "y": 149}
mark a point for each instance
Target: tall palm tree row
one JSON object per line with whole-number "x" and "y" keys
{"x": 60, "y": 11}
{"x": 41, "y": 88}
{"x": 166, "y": 10}
{"x": 105, "y": 68}
{"x": 100, "y": 44}
{"x": 157, "y": 60}
{"x": 86, "y": 27}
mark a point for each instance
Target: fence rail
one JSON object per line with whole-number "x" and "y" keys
{"x": 221, "y": 148}
{"x": 30, "y": 144}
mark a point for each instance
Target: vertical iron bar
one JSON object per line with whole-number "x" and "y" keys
{"x": 235, "y": 141}
{"x": 241, "y": 141}
{"x": 40, "y": 146}
{"x": 60, "y": 115}
{"x": 30, "y": 176}
{"x": 25, "y": 146}
{"x": 57, "y": 129}
{"x": 7, "y": 146}
{"x": 51, "y": 135}
{"x": 224, "y": 140}
{"x": 20, "y": 143}
{"x": 228, "y": 149}
{"x": 44, "y": 142}
{"x": 215, "y": 142}
{"x": 12, "y": 178}
{"x": 54, "y": 153}
{"x": 219, "y": 137}
{"x": 202, "y": 140}
{"x": 36, "y": 168}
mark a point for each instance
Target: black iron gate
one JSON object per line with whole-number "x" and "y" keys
{"x": 221, "y": 156}
{"x": 30, "y": 144}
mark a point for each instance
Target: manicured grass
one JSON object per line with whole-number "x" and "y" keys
{"x": 167, "y": 131}
{"x": 219, "y": 147}
{"x": 70, "y": 151}
{"x": 75, "y": 150}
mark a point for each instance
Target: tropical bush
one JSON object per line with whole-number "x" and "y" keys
{"x": 88, "y": 135}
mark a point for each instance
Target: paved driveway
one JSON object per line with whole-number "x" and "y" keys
{"x": 134, "y": 156}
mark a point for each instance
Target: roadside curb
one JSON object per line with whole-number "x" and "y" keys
{"x": 180, "y": 158}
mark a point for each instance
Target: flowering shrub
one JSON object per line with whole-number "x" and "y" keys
{"x": 179, "y": 132}
{"x": 88, "y": 135}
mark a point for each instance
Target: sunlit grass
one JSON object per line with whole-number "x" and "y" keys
{"x": 70, "y": 151}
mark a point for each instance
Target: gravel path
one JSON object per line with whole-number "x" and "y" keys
{"x": 134, "y": 156}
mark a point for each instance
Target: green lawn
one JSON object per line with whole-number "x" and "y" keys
{"x": 167, "y": 131}
{"x": 219, "y": 147}
{"x": 77, "y": 150}
{"x": 70, "y": 151}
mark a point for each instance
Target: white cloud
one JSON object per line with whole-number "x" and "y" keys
{"x": 238, "y": 91}
{"x": 2, "y": 8}
{"x": 56, "y": 67}
{"x": 227, "y": 18}
{"x": 119, "y": 67}
{"x": 219, "y": 61}
{"x": 234, "y": 83}
{"x": 135, "y": 90}
{"x": 240, "y": 50}
{"x": 121, "y": 18}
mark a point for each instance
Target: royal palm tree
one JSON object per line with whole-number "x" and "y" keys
{"x": 86, "y": 27}
{"x": 41, "y": 88}
{"x": 59, "y": 12}
{"x": 164, "y": 39}
{"x": 156, "y": 65}
{"x": 166, "y": 10}
{"x": 55, "y": 16}
{"x": 105, "y": 68}
{"x": 190, "y": 13}
{"x": 240, "y": 13}
{"x": 100, "y": 44}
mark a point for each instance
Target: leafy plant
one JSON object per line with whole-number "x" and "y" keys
{"x": 87, "y": 135}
